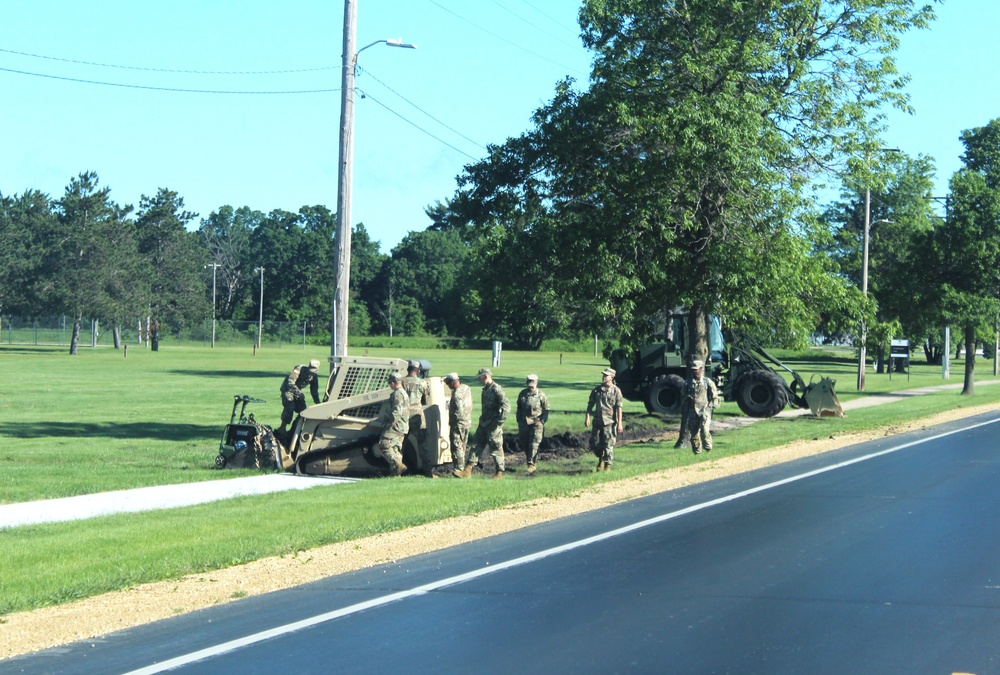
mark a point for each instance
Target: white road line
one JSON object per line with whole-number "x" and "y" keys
{"x": 233, "y": 645}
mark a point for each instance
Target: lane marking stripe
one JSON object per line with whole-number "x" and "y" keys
{"x": 239, "y": 643}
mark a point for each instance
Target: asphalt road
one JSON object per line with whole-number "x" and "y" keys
{"x": 879, "y": 558}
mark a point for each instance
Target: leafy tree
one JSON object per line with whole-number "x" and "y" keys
{"x": 91, "y": 242}
{"x": 23, "y": 219}
{"x": 226, "y": 234}
{"x": 366, "y": 265}
{"x": 297, "y": 253}
{"x": 514, "y": 288}
{"x": 900, "y": 216}
{"x": 175, "y": 258}
{"x": 676, "y": 176}
{"x": 967, "y": 246}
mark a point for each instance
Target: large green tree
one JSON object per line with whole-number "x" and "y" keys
{"x": 24, "y": 219}
{"x": 92, "y": 241}
{"x": 176, "y": 290}
{"x": 675, "y": 177}
{"x": 226, "y": 235}
{"x": 900, "y": 216}
{"x": 966, "y": 248}
{"x": 421, "y": 277}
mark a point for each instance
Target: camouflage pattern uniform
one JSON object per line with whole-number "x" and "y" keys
{"x": 418, "y": 392}
{"x": 395, "y": 426}
{"x": 494, "y": 411}
{"x": 460, "y": 421}
{"x": 532, "y": 413}
{"x": 702, "y": 395}
{"x": 605, "y": 400}
{"x": 293, "y": 401}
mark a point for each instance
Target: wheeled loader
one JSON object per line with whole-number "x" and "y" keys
{"x": 656, "y": 373}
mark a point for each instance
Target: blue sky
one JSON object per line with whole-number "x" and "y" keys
{"x": 480, "y": 70}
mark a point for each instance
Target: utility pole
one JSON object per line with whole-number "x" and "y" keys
{"x": 342, "y": 277}
{"x": 342, "y": 280}
{"x": 260, "y": 320}
{"x": 215, "y": 266}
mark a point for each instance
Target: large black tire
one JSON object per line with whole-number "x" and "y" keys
{"x": 761, "y": 393}
{"x": 666, "y": 395}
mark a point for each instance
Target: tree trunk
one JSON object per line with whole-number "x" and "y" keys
{"x": 117, "y": 332}
{"x": 154, "y": 336}
{"x": 970, "y": 360}
{"x": 74, "y": 342}
{"x": 698, "y": 347}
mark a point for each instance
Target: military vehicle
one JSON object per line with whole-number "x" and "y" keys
{"x": 656, "y": 373}
{"x": 337, "y": 437}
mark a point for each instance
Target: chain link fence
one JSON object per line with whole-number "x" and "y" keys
{"x": 16, "y": 330}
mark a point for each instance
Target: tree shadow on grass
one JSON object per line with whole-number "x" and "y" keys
{"x": 130, "y": 430}
{"x": 254, "y": 374}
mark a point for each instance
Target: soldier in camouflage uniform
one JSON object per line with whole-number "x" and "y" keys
{"x": 418, "y": 392}
{"x": 701, "y": 395}
{"x": 606, "y": 399}
{"x": 395, "y": 425}
{"x": 532, "y": 414}
{"x": 293, "y": 401}
{"x": 459, "y": 422}
{"x": 493, "y": 413}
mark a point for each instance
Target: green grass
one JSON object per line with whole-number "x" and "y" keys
{"x": 98, "y": 421}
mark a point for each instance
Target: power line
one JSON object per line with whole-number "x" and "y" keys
{"x": 550, "y": 18}
{"x": 414, "y": 124}
{"x": 455, "y": 131}
{"x": 171, "y": 70}
{"x": 533, "y": 25}
{"x": 503, "y": 39}
{"x": 175, "y": 89}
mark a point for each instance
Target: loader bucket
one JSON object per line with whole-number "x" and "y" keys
{"x": 822, "y": 399}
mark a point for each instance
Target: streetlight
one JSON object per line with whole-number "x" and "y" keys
{"x": 215, "y": 266}
{"x": 342, "y": 283}
{"x": 864, "y": 278}
{"x": 260, "y": 319}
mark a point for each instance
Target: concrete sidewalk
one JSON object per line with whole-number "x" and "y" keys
{"x": 158, "y": 497}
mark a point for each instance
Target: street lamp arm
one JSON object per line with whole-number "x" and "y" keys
{"x": 397, "y": 42}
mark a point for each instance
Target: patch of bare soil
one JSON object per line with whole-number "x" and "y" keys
{"x": 39, "y": 629}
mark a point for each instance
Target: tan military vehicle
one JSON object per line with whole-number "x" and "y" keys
{"x": 337, "y": 437}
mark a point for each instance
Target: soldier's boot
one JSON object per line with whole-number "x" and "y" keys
{"x": 398, "y": 468}
{"x": 498, "y": 475}
{"x": 466, "y": 472}
{"x": 607, "y": 466}
{"x": 600, "y": 465}
{"x": 458, "y": 473}
{"x": 531, "y": 469}
{"x": 696, "y": 449}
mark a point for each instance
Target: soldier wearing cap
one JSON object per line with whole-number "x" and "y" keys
{"x": 395, "y": 419}
{"x": 701, "y": 396}
{"x": 492, "y": 414}
{"x": 293, "y": 401}
{"x": 606, "y": 400}
{"x": 418, "y": 392}
{"x": 532, "y": 414}
{"x": 459, "y": 421}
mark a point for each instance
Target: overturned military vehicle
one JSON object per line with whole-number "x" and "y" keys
{"x": 337, "y": 437}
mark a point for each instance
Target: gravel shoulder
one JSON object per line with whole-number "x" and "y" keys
{"x": 26, "y": 632}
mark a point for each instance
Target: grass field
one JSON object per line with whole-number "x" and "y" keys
{"x": 100, "y": 421}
